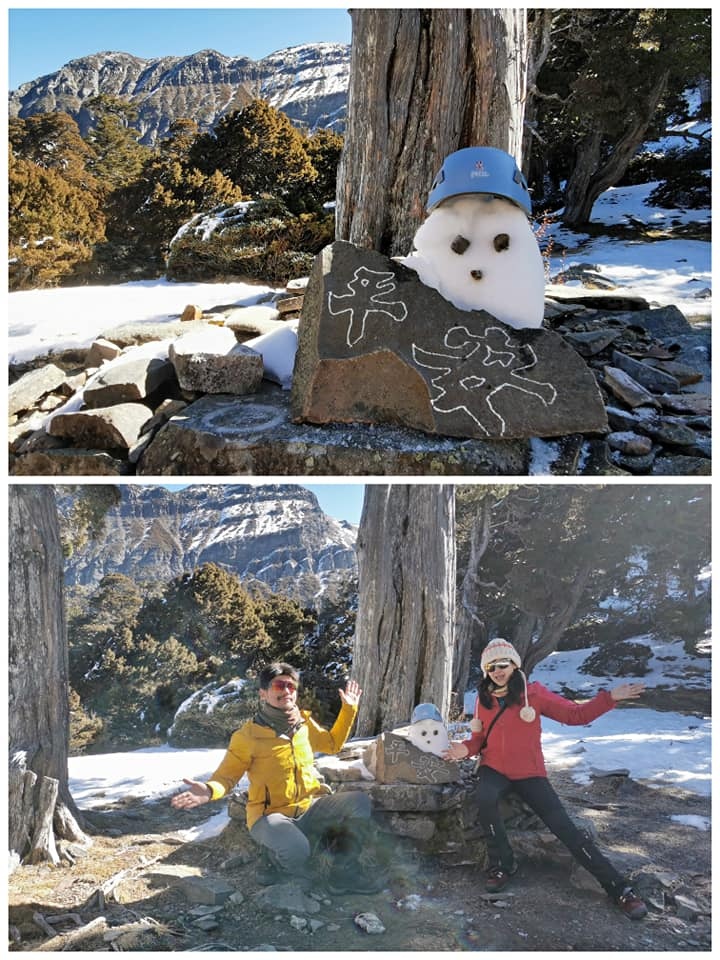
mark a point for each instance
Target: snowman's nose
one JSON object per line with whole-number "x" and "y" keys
{"x": 476, "y": 274}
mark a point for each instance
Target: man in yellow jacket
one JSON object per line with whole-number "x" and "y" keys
{"x": 287, "y": 805}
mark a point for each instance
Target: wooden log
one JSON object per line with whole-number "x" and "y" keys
{"x": 67, "y": 827}
{"x": 21, "y": 785}
{"x": 40, "y": 921}
{"x": 70, "y": 941}
{"x": 42, "y": 845}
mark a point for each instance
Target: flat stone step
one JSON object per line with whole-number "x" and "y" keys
{"x": 225, "y": 435}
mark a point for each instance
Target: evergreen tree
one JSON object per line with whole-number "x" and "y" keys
{"x": 101, "y": 639}
{"x": 260, "y": 151}
{"x": 287, "y": 624}
{"x": 53, "y": 225}
{"x": 52, "y": 141}
{"x": 604, "y": 541}
{"x": 118, "y": 157}
{"x": 324, "y": 148}
{"x": 82, "y": 511}
{"x": 612, "y": 78}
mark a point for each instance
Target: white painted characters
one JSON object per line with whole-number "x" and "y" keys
{"x": 480, "y": 253}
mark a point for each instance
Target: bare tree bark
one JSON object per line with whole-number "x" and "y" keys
{"x": 423, "y": 83}
{"x": 38, "y": 717}
{"x": 536, "y": 637}
{"x": 539, "y": 47}
{"x": 591, "y": 175}
{"x": 404, "y": 635}
{"x": 471, "y": 633}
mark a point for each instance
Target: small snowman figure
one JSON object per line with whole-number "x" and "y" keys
{"x": 476, "y": 247}
{"x": 427, "y": 731}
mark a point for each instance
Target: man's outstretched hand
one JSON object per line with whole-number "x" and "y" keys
{"x": 198, "y": 794}
{"x": 351, "y": 694}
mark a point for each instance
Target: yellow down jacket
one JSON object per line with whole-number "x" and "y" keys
{"x": 280, "y": 770}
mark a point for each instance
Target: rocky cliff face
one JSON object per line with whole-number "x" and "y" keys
{"x": 275, "y": 534}
{"x": 309, "y": 83}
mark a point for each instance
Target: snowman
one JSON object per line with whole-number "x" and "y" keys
{"x": 476, "y": 247}
{"x": 427, "y": 731}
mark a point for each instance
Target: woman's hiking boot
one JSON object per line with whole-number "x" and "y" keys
{"x": 497, "y": 877}
{"x": 631, "y": 904}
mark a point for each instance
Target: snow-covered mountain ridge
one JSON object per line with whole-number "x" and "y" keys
{"x": 276, "y": 534}
{"x": 308, "y": 82}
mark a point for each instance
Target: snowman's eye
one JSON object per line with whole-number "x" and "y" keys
{"x": 459, "y": 244}
{"x": 501, "y": 242}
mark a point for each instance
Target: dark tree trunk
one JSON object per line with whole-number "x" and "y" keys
{"x": 591, "y": 175}
{"x": 539, "y": 46}
{"x": 404, "y": 636}
{"x": 536, "y": 637}
{"x": 423, "y": 83}
{"x": 41, "y": 810}
{"x": 471, "y": 631}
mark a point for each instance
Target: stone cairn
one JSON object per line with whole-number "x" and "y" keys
{"x": 388, "y": 379}
{"x": 429, "y": 805}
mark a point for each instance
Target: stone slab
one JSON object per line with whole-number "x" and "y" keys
{"x": 128, "y": 381}
{"x": 25, "y": 392}
{"x": 410, "y": 797}
{"x": 205, "y": 890}
{"x": 106, "y": 428}
{"x": 69, "y": 463}
{"x": 399, "y": 760}
{"x": 626, "y": 389}
{"x": 375, "y": 345}
{"x": 225, "y": 435}
{"x": 677, "y": 466}
{"x": 595, "y": 299}
{"x": 134, "y": 334}
{"x": 239, "y": 370}
{"x": 101, "y": 350}
{"x": 646, "y": 375}
{"x": 665, "y": 323}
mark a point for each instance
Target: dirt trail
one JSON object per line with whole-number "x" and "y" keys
{"x": 431, "y": 905}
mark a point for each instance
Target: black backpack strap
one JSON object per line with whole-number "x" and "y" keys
{"x": 489, "y": 731}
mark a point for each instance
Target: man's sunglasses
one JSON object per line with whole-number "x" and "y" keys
{"x": 500, "y": 665}
{"x": 283, "y": 685}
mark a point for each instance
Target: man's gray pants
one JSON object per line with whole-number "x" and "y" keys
{"x": 289, "y": 839}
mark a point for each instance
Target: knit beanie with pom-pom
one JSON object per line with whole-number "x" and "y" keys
{"x": 500, "y": 649}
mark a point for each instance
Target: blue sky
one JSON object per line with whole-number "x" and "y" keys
{"x": 343, "y": 501}
{"x": 40, "y": 41}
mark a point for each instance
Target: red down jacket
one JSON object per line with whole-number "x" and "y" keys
{"x": 514, "y": 747}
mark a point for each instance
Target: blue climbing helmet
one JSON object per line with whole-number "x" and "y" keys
{"x": 425, "y": 711}
{"x": 480, "y": 170}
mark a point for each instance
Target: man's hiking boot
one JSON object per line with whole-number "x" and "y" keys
{"x": 498, "y": 877}
{"x": 631, "y": 904}
{"x": 267, "y": 871}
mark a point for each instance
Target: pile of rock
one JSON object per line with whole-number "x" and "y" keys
{"x": 432, "y": 805}
{"x": 653, "y": 368}
{"x": 93, "y": 412}
{"x": 196, "y": 397}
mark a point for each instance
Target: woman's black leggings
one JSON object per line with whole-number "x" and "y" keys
{"x": 539, "y": 795}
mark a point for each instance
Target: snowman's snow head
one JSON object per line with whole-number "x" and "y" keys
{"x": 480, "y": 253}
{"x": 427, "y": 731}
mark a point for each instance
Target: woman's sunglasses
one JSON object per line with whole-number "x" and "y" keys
{"x": 500, "y": 665}
{"x": 283, "y": 685}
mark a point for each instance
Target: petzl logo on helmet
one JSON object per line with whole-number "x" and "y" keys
{"x": 479, "y": 170}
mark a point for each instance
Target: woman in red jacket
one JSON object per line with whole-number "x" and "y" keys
{"x": 512, "y": 759}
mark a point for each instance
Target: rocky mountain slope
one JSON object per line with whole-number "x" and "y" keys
{"x": 275, "y": 534}
{"x": 309, "y": 83}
